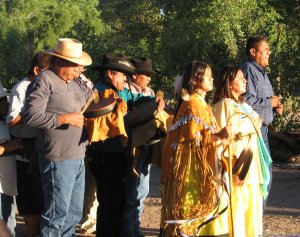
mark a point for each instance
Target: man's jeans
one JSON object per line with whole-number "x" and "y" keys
{"x": 8, "y": 211}
{"x": 137, "y": 189}
{"x": 264, "y": 133}
{"x": 63, "y": 190}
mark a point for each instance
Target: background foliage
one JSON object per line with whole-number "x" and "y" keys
{"x": 171, "y": 32}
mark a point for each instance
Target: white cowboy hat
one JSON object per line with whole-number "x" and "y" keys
{"x": 70, "y": 50}
{"x": 4, "y": 92}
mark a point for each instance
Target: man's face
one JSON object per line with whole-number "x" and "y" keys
{"x": 117, "y": 79}
{"x": 142, "y": 80}
{"x": 261, "y": 54}
{"x": 68, "y": 70}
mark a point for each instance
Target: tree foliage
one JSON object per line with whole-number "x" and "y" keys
{"x": 171, "y": 32}
{"x": 29, "y": 26}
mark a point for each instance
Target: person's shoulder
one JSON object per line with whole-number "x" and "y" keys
{"x": 21, "y": 85}
{"x": 46, "y": 76}
{"x": 247, "y": 65}
{"x": 126, "y": 85}
{"x": 150, "y": 91}
{"x": 193, "y": 100}
{"x": 247, "y": 106}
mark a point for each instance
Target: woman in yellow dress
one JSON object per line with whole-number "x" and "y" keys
{"x": 247, "y": 150}
{"x": 192, "y": 187}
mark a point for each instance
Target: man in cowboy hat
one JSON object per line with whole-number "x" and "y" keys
{"x": 111, "y": 159}
{"x": 54, "y": 101}
{"x": 138, "y": 186}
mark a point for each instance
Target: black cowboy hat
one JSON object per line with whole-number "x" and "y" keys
{"x": 115, "y": 61}
{"x": 143, "y": 65}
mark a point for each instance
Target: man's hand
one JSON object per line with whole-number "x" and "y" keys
{"x": 279, "y": 109}
{"x": 274, "y": 101}
{"x": 12, "y": 145}
{"x": 2, "y": 150}
{"x": 74, "y": 119}
{"x": 161, "y": 103}
{"x": 237, "y": 180}
{"x": 225, "y": 135}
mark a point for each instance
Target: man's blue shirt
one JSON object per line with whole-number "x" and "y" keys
{"x": 259, "y": 90}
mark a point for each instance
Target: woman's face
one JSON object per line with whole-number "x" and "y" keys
{"x": 239, "y": 85}
{"x": 207, "y": 83}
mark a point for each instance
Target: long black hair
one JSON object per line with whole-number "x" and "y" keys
{"x": 224, "y": 79}
{"x": 194, "y": 71}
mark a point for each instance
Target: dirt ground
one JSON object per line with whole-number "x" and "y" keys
{"x": 281, "y": 217}
{"x": 282, "y": 214}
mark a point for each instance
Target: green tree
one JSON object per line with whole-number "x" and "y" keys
{"x": 33, "y": 25}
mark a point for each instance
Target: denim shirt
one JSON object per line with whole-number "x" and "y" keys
{"x": 259, "y": 90}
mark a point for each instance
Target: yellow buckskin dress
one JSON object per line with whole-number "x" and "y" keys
{"x": 192, "y": 189}
{"x": 247, "y": 200}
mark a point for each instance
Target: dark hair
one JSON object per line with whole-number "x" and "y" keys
{"x": 194, "y": 71}
{"x": 253, "y": 42}
{"x": 39, "y": 60}
{"x": 225, "y": 77}
{"x": 103, "y": 75}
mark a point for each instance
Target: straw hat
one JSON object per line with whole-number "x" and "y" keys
{"x": 70, "y": 50}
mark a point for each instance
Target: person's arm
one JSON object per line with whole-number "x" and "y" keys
{"x": 4, "y": 230}
{"x": 16, "y": 103}
{"x": 37, "y": 98}
{"x": 12, "y": 145}
{"x": 15, "y": 121}
{"x": 251, "y": 94}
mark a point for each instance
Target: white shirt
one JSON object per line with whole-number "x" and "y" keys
{"x": 8, "y": 177}
{"x": 17, "y": 107}
{"x": 18, "y": 100}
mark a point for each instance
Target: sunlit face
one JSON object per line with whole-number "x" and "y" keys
{"x": 142, "y": 80}
{"x": 117, "y": 79}
{"x": 239, "y": 85}
{"x": 261, "y": 54}
{"x": 68, "y": 70}
{"x": 207, "y": 83}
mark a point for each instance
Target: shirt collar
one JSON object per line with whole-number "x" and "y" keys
{"x": 260, "y": 68}
{"x": 139, "y": 89}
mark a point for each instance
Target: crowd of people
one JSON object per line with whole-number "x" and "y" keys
{"x": 216, "y": 165}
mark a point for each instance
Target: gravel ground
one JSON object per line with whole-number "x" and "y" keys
{"x": 281, "y": 217}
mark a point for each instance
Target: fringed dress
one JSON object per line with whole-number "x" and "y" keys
{"x": 247, "y": 199}
{"x": 192, "y": 189}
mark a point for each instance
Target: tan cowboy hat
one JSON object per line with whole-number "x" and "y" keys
{"x": 4, "y": 92}
{"x": 70, "y": 50}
